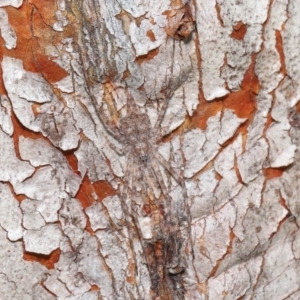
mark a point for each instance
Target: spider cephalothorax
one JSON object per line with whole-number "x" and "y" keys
{"x": 136, "y": 129}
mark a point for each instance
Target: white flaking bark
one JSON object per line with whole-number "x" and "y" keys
{"x": 7, "y": 32}
{"x": 97, "y": 216}
{"x": 55, "y": 286}
{"x": 229, "y": 186}
{"x": 62, "y": 21}
{"x": 14, "y": 3}
{"x": 265, "y": 72}
{"x": 68, "y": 272}
{"x": 41, "y": 154}
{"x": 58, "y": 125}
{"x": 73, "y": 221}
{"x": 14, "y": 269}
{"x": 32, "y": 220}
{"x": 281, "y": 154}
{"x": 211, "y": 45}
{"x": 251, "y": 161}
{"x": 242, "y": 220}
{"x": 206, "y": 144}
{"x": 200, "y": 190}
{"x": 10, "y": 163}
{"x": 216, "y": 45}
{"x": 235, "y": 286}
{"x": 5, "y": 115}
{"x": 90, "y": 295}
{"x": 10, "y": 214}
{"x": 42, "y": 241}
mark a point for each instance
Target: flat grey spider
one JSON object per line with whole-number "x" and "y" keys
{"x": 139, "y": 140}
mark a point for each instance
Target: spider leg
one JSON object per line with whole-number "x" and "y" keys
{"x": 129, "y": 177}
{"x": 131, "y": 217}
{"x": 118, "y": 150}
{"x": 134, "y": 229}
{"x": 185, "y": 212}
{"x": 159, "y": 134}
{"x": 173, "y": 172}
{"x": 172, "y": 241}
{"x": 150, "y": 185}
{"x": 131, "y": 105}
{"x": 154, "y": 248}
{"x": 112, "y": 129}
{"x": 149, "y": 247}
{"x": 184, "y": 217}
{"x": 161, "y": 114}
{"x": 168, "y": 201}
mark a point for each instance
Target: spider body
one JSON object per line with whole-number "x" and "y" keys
{"x": 139, "y": 144}
{"x": 136, "y": 130}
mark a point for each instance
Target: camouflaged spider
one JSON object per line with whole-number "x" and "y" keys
{"x": 139, "y": 141}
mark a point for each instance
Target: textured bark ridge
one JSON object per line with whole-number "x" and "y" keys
{"x": 149, "y": 149}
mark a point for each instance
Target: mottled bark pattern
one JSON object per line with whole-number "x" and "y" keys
{"x": 163, "y": 252}
{"x": 149, "y": 149}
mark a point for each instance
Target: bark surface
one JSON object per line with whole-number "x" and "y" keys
{"x": 149, "y": 149}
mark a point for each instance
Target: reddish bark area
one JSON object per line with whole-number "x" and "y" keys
{"x": 47, "y": 260}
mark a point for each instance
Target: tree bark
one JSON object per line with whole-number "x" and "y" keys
{"x": 149, "y": 150}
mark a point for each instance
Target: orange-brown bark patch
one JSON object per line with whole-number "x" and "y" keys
{"x": 146, "y": 209}
{"x": 126, "y": 74}
{"x": 47, "y": 260}
{"x": 23, "y": 51}
{"x": 85, "y": 197}
{"x": 283, "y": 203}
{"x": 46, "y": 9}
{"x": 218, "y": 176}
{"x": 203, "y": 288}
{"x": 239, "y": 31}
{"x": 19, "y": 19}
{"x": 150, "y": 55}
{"x": 204, "y": 111}
{"x": 43, "y": 32}
{"x": 151, "y": 35}
{"x": 271, "y": 173}
{"x": 2, "y": 87}
{"x": 94, "y": 287}
{"x": 18, "y": 197}
{"x": 269, "y": 122}
{"x": 180, "y": 22}
{"x": 85, "y": 192}
{"x": 72, "y": 160}
{"x": 103, "y": 189}
{"x": 131, "y": 270}
{"x": 88, "y": 227}
{"x": 51, "y": 70}
{"x": 250, "y": 82}
{"x": 241, "y": 102}
{"x": 229, "y": 250}
{"x": 237, "y": 171}
{"x": 20, "y": 130}
{"x": 279, "y": 48}
{"x": 29, "y": 49}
